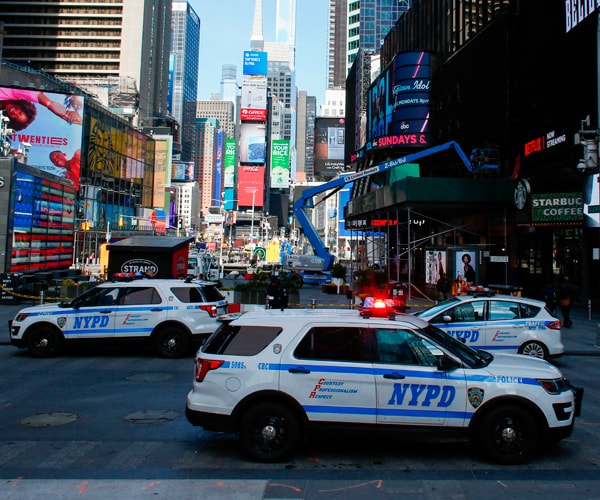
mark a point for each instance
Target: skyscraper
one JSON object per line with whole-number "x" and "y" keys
{"x": 185, "y": 49}
{"x": 354, "y": 25}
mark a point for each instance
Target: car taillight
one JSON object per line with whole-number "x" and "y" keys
{"x": 203, "y": 366}
{"x": 553, "y": 325}
{"x": 211, "y": 310}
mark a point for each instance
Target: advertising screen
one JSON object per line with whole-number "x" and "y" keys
{"x": 255, "y": 63}
{"x": 183, "y": 171}
{"x": 253, "y": 101}
{"x": 252, "y": 143}
{"x": 398, "y": 103}
{"x": 229, "y": 164}
{"x": 47, "y": 126}
{"x": 280, "y": 163}
{"x": 43, "y": 224}
{"x": 329, "y": 146}
{"x": 251, "y": 185}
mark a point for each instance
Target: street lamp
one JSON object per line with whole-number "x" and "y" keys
{"x": 252, "y": 220}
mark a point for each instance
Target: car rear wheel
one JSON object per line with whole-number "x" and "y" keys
{"x": 172, "y": 342}
{"x": 508, "y": 435}
{"x": 44, "y": 342}
{"x": 269, "y": 432}
{"x": 535, "y": 349}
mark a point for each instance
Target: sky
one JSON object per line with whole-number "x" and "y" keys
{"x": 226, "y": 28}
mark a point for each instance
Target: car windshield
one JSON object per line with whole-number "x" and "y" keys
{"x": 432, "y": 311}
{"x": 473, "y": 358}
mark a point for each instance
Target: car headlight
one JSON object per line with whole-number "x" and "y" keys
{"x": 554, "y": 386}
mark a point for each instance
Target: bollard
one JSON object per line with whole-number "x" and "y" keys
{"x": 349, "y": 304}
{"x": 42, "y": 297}
{"x": 313, "y": 303}
{"x": 590, "y": 309}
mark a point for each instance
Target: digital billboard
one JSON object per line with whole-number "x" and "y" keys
{"x": 253, "y": 100}
{"x": 252, "y": 143}
{"x": 182, "y": 171}
{"x": 255, "y": 63}
{"x": 251, "y": 185}
{"x": 280, "y": 163}
{"x": 329, "y": 146}
{"x": 399, "y": 103}
{"x": 229, "y": 164}
{"x": 47, "y": 126}
{"x": 42, "y": 226}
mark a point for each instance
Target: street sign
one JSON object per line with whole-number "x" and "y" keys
{"x": 498, "y": 258}
{"x": 593, "y": 209}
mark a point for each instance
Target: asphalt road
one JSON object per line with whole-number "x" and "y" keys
{"x": 111, "y": 424}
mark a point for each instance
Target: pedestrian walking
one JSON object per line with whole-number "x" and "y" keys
{"x": 550, "y": 297}
{"x": 443, "y": 286}
{"x": 566, "y": 296}
{"x": 277, "y": 296}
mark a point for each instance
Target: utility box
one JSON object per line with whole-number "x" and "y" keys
{"x": 156, "y": 256}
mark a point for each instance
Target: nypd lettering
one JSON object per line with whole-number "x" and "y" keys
{"x": 465, "y": 335}
{"x": 423, "y": 395}
{"x": 93, "y": 322}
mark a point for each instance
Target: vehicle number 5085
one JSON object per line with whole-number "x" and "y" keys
{"x": 239, "y": 365}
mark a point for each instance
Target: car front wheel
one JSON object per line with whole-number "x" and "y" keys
{"x": 535, "y": 349}
{"x": 269, "y": 432}
{"x": 508, "y": 435}
{"x": 43, "y": 342}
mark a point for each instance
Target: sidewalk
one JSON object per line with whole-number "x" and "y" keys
{"x": 581, "y": 339}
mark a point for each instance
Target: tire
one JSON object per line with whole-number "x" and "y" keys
{"x": 508, "y": 435}
{"x": 44, "y": 342}
{"x": 535, "y": 349}
{"x": 172, "y": 342}
{"x": 269, "y": 432}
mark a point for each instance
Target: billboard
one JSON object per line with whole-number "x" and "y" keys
{"x": 280, "y": 163}
{"x": 47, "y": 126}
{"x": 252, "y": 143}
{"x": 42, "y": 225}
{"x": 251, "y": 185}
{"x": 229, "y": 164}
{"x": 253, "y": 101}
{"x": 329, "y": 146}
{"x": 399, "y": 103}
{"x": 182, "y": 171}
{"x": 255, "y": 63}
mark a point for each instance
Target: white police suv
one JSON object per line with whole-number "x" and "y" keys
{"x": 499, "y": 323}
{"x": 272, "y": 376}
{"x": 169, "y": 313}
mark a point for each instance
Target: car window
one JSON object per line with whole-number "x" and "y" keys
{"x": 502, "y": 310}
{"x": 139, "y": 296}
{"x": 240, "y": 340}
{"x": 333, "y": 343}
{"x": 101, "y": 296}
{"x": 465, "y": 312}
{"x": 403, "y": 347}
{"x": 200, "y": 293}
{"x": 529, "y": 311}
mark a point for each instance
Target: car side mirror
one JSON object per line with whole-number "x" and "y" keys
{"x": 446, "y": 318}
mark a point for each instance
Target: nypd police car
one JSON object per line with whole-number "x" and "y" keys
{"x": 168, "y": 313}
{"x": 273, "y": 376}
{"x": 499, "y": 323}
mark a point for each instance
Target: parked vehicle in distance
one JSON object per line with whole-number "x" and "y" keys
{"x": 499, "y": 323}
{"x": 170, "y": 314}
{"x": 276, "y": 376}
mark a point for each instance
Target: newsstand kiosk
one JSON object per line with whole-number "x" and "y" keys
{"x": 152, "y": 256}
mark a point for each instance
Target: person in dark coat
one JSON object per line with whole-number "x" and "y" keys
{"x": 443, "y": 286}
{"x": 566, "y": 296}
{"x": 277, "y": 296}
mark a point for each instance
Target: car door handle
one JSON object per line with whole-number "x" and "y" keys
{"x": 299, "y": 370}
{"x": 394, "y": 376}
{"x": 106, "y": 311}
{"x": 156, "y": 309}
